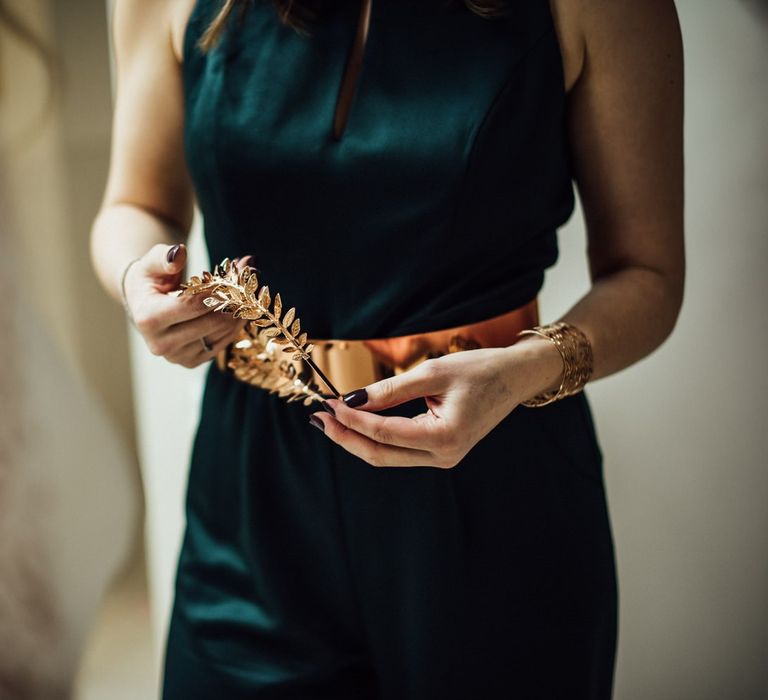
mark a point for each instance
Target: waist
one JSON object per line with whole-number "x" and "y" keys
{"x": 350, "y": 364}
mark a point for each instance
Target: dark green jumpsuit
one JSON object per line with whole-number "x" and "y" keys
{"x": 305, "y": 572}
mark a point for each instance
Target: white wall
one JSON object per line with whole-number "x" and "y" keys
{"x": 683, "y": 432}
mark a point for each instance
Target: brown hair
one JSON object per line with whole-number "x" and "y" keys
{"x": 300, "y": 14}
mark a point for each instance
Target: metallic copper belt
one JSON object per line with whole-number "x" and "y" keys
{"x": 351, "y": 364}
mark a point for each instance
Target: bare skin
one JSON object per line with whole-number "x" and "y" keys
{"x": 623, "y": 68}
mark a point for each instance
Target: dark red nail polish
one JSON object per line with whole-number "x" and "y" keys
{"x": 356, "y": 398}
{"x": 328, "y": 407}
{"x": 171, "y": 255}
{"x": 316, "y": 422}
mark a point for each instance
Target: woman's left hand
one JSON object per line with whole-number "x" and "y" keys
{"x": 467, "y": 394}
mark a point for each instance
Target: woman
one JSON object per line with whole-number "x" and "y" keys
{"x": 396, "y": 170}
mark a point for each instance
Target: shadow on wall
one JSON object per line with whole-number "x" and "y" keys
{"x": 758, "y": 7}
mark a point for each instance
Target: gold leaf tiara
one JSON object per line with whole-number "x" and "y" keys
{"x": 254, "y": 357}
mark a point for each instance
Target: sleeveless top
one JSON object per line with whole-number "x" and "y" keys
{"x": 439, "y": 205}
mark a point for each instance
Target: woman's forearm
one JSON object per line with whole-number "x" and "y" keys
{"x": 625, "y": 315}
{"x": 122, "y": 232}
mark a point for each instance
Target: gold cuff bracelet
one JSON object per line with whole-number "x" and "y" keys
{"x": 576, "y": 352}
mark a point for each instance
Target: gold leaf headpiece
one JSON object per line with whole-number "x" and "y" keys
{"x": 254, "y": 357}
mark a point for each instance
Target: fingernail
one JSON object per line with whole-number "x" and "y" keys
{"x": 328, "y": 407}
{"x": 355, "y": 398}
{"x": 316, "y": 422}
{"x": 171, "y": 255}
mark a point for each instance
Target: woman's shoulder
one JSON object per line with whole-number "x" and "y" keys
{"x": 180, "y": 12}
{"x": 610, "y": 29}
{"x": 141, "y": 27}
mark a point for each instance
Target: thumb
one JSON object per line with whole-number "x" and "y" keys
{"x": 166, "y": 262}
{"x": 391, "y": 391}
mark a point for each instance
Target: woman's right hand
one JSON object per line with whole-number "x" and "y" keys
{"x": 174, "y": 326}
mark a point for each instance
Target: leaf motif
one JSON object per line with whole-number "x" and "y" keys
{"x": 249, "y": 314}
{"x": 254, "y": 356}
{"x": 264, "y": 298}
{"x": 250, "y": 286}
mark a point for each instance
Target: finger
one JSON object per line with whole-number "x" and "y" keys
{"x": 425, "y": 379}
{"x": 214, "y": 324}
{"x": 246, "y": 261}
{"x": 189, "y": 355}
{"x": 155, "y": 313}
{"x": 219, "y": 342}
{"x": 222, "y": 341}
{"x": 427, "y": 433}
{"x": 185, "y": 336}
{"x": 167, "y": 259}
{"x": 165, "y": 263}
{"x": 158, "y": 269}
{"x": 374, "y": 453}
{"x": 173, "y": 308}
{"x": 158, "y": 274}
{"x": 193, "y": 354}
{"x": 191, "y": 306}
{"x": 193, "y": 347}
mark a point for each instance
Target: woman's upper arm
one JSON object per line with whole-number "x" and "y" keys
{"x": 626, "y": 133}
{"x": 147, "y": 165}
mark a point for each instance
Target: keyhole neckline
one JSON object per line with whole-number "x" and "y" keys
{"x": 352, "y": 71}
